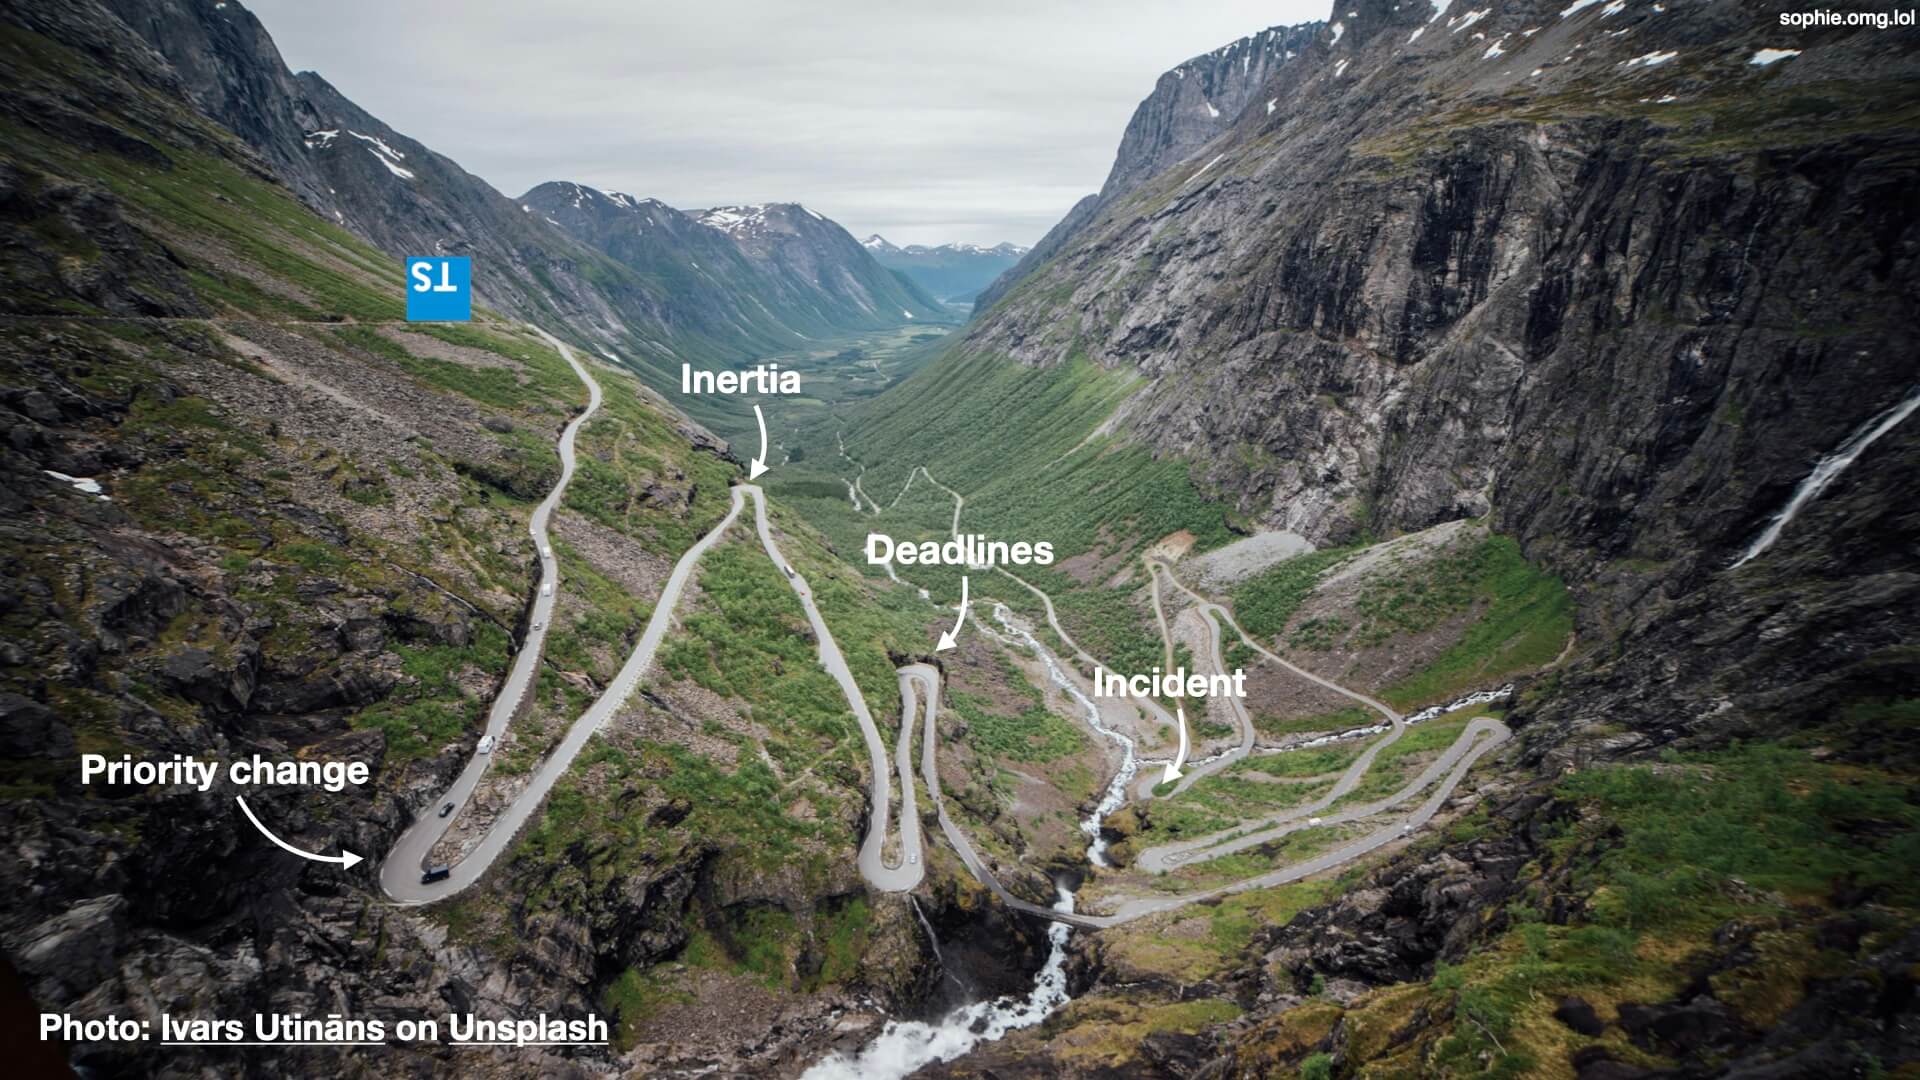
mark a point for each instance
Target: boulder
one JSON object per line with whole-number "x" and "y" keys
{"x": 1577, "y": 1014}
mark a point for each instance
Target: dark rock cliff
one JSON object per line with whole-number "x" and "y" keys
{"x": 1189, "y": 107}
{"x": 230, "y": 525}
{"x": 351, "y": 167}
{"x": 406, "y": 199}
{"x": 1616, "y": 277}
{"x": 1502, "y": 262}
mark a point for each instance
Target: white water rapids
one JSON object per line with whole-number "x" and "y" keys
{"x": 1129, "y": 760}
{"x": 1828, "y": 469}
{"x": 904, "y": 1047}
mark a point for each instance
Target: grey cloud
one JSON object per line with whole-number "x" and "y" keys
{"x": 980, "y": 122}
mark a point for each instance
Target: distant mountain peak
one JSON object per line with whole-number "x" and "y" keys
{"x": 778, "y": 270}
{"x": 878, "y": 243}
{"x": 955, "y": 272}
{"x": 733, "y": 218}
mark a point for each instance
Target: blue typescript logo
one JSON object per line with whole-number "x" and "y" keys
{"x": 439, "y": 290}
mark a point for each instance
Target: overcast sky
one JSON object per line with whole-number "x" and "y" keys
{"x": 974, "y": 120}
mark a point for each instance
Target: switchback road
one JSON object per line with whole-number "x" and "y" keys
{"x": 400, "y": 873}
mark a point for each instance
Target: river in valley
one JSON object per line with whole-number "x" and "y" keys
{"x": 905, "y": 1046}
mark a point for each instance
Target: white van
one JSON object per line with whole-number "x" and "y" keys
{"x": 486, "y": 744}
{"x": 547, "y": 589}
{"x": 546, "y": 551}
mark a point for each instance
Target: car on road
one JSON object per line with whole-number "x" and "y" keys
{"x": 486, "y": 744}
{"x": 537, "y": 624}
{"x": 1313, "y": 821}
{"x": 789, "y": 571}
{"x": 913, "y": 857}
{"x": 447, "y": 809}
{"x": 547, "y": 589}
{"x": 546, "y": 551}
{"x": 435, "y": 873}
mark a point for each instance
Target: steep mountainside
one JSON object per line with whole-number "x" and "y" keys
{"x": 1613, "y": 278}
{"x": 250, "y": 510}
{"x": 1189, "y": 106}
{"x": 955, "y": 273}
{"x": 355, "y": 170}
{"x": 774, "y": 273}
{"x": 404, "y": 198}
{"x": 1447, "y": 276}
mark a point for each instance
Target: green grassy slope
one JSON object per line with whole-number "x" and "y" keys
{"x": 1020, "y": 445}
{"x": 211, "y": 429}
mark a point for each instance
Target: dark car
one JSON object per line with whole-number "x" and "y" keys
{"x": 447, "y": 809}
{"x": 435, "y": 873}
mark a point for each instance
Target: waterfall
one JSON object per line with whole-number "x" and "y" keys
{"x": 934, "y": 940}
{"x": 1129, "y": 761}
{"x": 1830, "y": 467}
{"x": 903, "y": 1048}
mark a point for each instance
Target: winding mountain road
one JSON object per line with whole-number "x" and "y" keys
{"x": 1264, "y": 830}
{"x": 1212, "y": 609}
{"x": 920, "y": 687}
{"x": 1242, "y": 718}
{"x": 400, "y": 873}
{"x": 920, "y": 690}
{"x": 920, "y": 684}
{"x": 1131, "y": 909}
{"x": 1245, "y": 835}
{"x": 908, "y": 872}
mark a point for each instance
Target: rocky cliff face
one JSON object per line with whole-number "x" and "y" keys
{"x": 354, "y": 169}
{"x": 1189, "y": 107}
{"x": 406, "y": 199}
{"x": 1194, "y": 103}
{"x": 1614, "y": 277}
{"x": 1600, "y": 274}
{"x": 249, "y": 511}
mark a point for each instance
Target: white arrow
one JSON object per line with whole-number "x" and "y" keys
{"x": 759, "y": 463}
{"x": 1179, "y": 759}
{"x": 946, "y": 638}
{"x": 346, "y": 858}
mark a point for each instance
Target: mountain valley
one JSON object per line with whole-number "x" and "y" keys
{"x": 955, "y": 273}
{"x": 1517, "y": 397}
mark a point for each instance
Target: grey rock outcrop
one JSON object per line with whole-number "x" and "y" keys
{"x": 1581, "y": 270}
{"x": 1190, "y": 106}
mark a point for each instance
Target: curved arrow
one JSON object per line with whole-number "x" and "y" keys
{"x": 759, "y": 463}
{"x": 1179, "y": 759}
{"x": 346, "y": 858}
{"x": 947, "y": 638}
